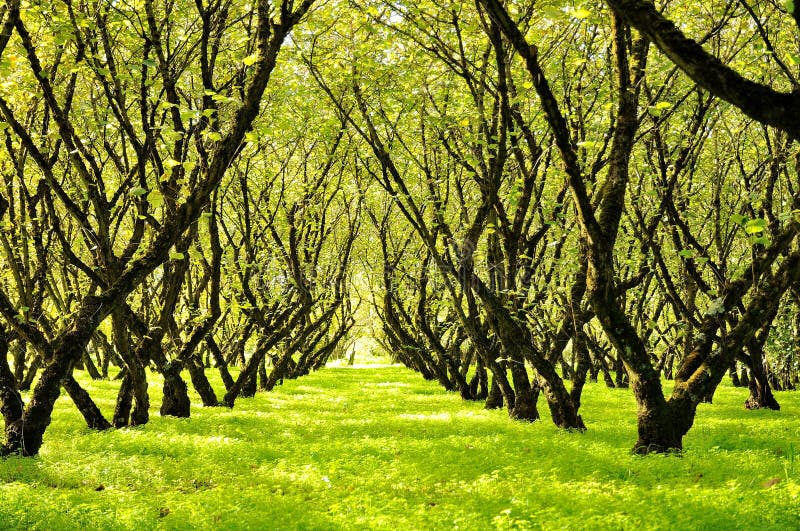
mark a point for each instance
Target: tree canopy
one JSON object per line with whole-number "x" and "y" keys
{"x": 510, "y": 198}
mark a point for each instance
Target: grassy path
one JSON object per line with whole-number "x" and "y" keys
{"x": 378, "y": 448}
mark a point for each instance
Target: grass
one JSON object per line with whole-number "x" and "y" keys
{"x": 378, "y": 448}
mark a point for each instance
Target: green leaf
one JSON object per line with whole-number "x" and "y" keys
{"x": 176, "y": 256}
{"x": 251, "y": 59}
{"x": 155, "y": 198}
{"x": 138, "y": 191}
{"x": 790, "y": 6}
{"x": 761, "y": 240}
{"x": 686, "y": 253}
{"x": 755, "y": 226}
{"x": 739, "y": 219}
{"x": 581, "y": 13}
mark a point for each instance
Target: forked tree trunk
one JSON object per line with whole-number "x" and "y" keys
{"x": 662, "y": 423}
{"x": 761, "y": 396}
{"x": 25, "y": 435}
{"x": 661, "y": 428}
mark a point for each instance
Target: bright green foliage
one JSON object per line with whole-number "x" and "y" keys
{"x": 378, "y": 448}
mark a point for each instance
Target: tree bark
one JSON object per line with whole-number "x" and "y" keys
{"x": 11, "y": 404}
{"x": 91, "y": 413}
{"x": 122, "y": 410}
{"x": 176, "y": 398}
{"x": 201, "y": 383}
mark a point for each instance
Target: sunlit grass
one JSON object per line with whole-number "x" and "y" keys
{"x": 379, "y": 448}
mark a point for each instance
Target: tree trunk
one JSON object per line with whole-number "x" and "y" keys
{"x": 91, "y": 413}
{"x": 661, "y": 427}
{"x": 176, "y": 398}
{"x": 734, "y": 375}
{"x": 141, "y": 408}
{"x": 135, "y": 369}
{"x": 20, "y": 349}
{"x": 250, "y": 385}
{"x": 26, "y": 382}
{"x": 583, "y": 366}
{"x": 478, "y": 385}
{"x": 525, "y": 396}
{"x": 122, "y": 410}
{"x": 90, "y": 367}
{"x": 11, "y": 404}
{"x": 219, "y": 360}
{"x": 201, "y": 383}
{"x": 622, "y": 375}
{"x": 262, "y": 374}
{"x": 761, "y": 396}
{"x": 494, "y": 399}
{"x": 26, "y": 434}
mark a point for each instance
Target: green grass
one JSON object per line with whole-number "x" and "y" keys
{"x": 378, "y": 448}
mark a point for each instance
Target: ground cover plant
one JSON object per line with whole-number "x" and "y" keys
{"x": 206, "y": 201}
{"x": 380, "y": 448}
